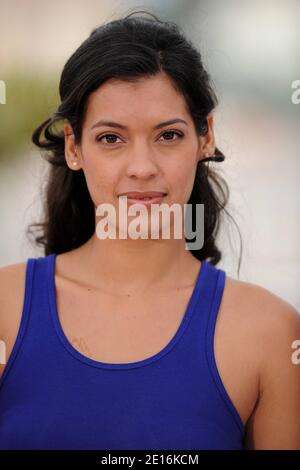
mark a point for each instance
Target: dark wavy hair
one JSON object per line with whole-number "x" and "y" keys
{"x": 126, "y": 48}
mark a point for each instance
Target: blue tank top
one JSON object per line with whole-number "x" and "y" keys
{"x": 54, "y": 397}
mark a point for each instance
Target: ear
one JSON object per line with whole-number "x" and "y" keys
{"x": 72, "y": 156}
{"x": 207, "y": 141}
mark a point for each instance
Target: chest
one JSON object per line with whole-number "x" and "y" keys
{"x": 129, "y": 328}
{"x": 120, "y": 328}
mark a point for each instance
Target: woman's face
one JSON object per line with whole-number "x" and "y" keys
{"x": 138, "y": 152}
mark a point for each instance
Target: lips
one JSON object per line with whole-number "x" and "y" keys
{"x": 147, "y": 198}
{"x": 139, "y": 195}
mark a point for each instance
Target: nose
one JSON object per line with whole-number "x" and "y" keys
{"x": 141, "y": 162}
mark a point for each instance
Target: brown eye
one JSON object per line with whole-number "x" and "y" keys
{"x": 113, "y": 136}
{"x": 170, "y": 133}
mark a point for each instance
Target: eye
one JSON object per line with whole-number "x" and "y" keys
{"x": 170, "y": 133}
{"x": 114, "y": 136}
{"x": 99, "y": 138}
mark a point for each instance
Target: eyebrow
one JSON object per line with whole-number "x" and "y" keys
{"x": 121, "y": 126}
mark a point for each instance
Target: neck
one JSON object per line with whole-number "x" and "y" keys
{"x": 137, "y": 265}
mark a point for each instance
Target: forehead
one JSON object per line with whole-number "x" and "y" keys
{"x": 150, "y": 98}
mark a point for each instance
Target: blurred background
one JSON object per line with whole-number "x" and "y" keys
{"x": 252, "y": 51}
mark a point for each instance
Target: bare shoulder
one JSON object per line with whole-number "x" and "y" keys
{"x": 266, "y": 323}
{"x": 261, "y": 310}
{"x": 265, "y": 330}
{"x": 12, "y": 289}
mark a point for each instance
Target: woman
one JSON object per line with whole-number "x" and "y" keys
{"x": 134, "y": 343}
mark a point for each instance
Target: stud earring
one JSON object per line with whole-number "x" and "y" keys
{"x": 74, "y": 163}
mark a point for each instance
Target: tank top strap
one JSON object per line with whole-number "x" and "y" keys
{"x": 41, "y": 324}
{"x": 23, "y": 326}
{"x": 204, "y": 304}
{"x": 196, "y": 348}
{"x": 201, "y": 333}
{"x": 35, "y": 328}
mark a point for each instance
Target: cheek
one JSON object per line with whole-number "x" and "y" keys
{"x": 183, "y": 177}
{"x": 100, "y": 180}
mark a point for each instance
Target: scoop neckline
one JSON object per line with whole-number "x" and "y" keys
{"x": 128, "y": 365}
